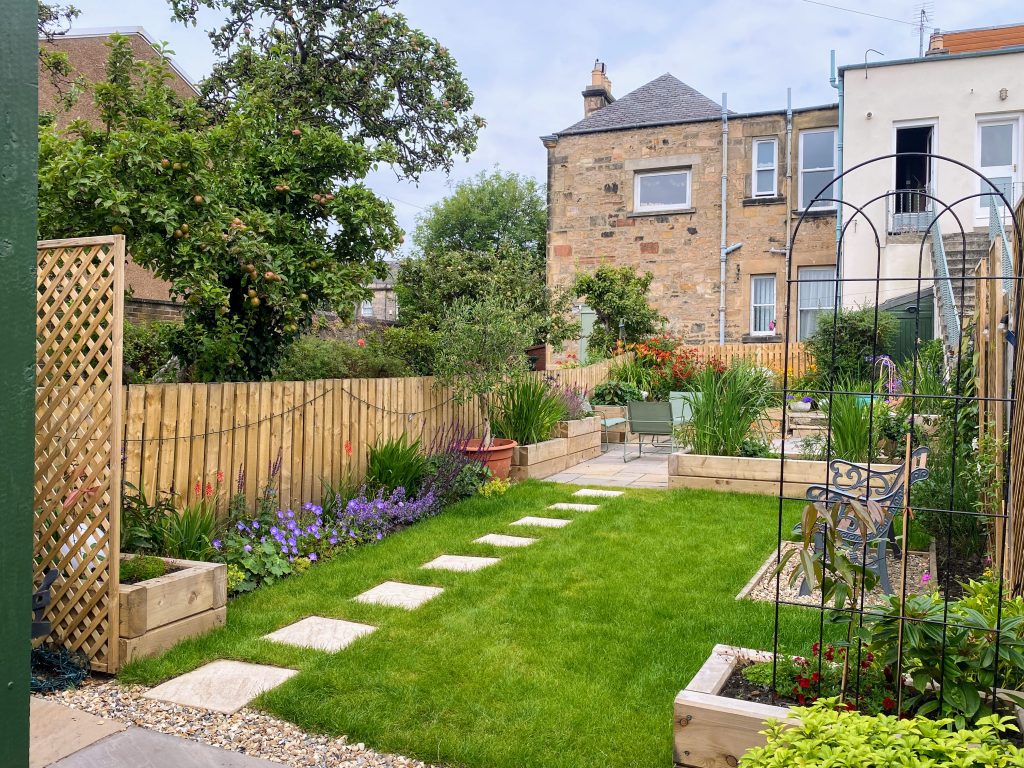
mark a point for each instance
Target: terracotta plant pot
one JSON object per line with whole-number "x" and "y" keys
{"x": 496, "y": 454}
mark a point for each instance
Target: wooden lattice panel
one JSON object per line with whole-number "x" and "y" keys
{"x": 79, "y": 325}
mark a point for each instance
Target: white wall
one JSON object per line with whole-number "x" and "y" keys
{"x": 952, "y": 92}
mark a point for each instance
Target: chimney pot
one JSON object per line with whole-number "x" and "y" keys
{"x": 599, "y": 93}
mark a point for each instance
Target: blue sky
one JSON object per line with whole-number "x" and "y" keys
{"x": 527, "y": 61}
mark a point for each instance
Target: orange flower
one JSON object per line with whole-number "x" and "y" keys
{"x": 220, "y": 475}
{"x": 348, "y": 447}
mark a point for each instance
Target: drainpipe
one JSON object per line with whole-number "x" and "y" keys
{"x": 837, "y": 83}
{"x": 723, "y": 254}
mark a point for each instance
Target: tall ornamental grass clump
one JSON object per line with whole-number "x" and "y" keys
{"x": 850, "y": 423}
{"x": 727, "y": 407}
{"x": 527, "y": 411}
{"x": 395, "y": 463}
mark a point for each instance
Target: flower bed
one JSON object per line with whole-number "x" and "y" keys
{"x": 576, "y": 441}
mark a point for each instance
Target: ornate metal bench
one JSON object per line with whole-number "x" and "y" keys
{"x": 856, "y": 482}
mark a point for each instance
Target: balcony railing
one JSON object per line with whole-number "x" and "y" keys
{"x": 908, "y": 211}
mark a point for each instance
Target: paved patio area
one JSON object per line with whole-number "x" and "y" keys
{"x": 648, "y": 471}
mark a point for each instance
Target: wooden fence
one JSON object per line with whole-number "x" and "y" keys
{"x": 79, "y": 325}
{"x": 302, "y": 432}
{"x": 766, "y": 355}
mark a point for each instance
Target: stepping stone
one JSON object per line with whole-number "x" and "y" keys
{"x": 56, "y": 731}
{"x": 221, "y": 686}
{"x": 596, "y": 492}
{"x": 460, "y": 563}
{"x": 543, "y": 522}
{"x": 399, "y": 595}
{"x": 501, "y": 540}
{"x": 321, "y": 634}
{"x": 574, "y": 507}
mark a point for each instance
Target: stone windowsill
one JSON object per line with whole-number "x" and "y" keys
{"x": 820, "y": 213}
{"x": 775, "y": 200}
{"x": 648, "y": 214}
{"x": 750, "y": 338}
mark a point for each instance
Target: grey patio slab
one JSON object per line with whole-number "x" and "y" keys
{"x": 542, "y": 522}
{"x": 399, "y": 595}
{"x": 598, "y": 492}
{"x": 56, "y": 731}
{"x": 460, "y": 563}
{"x": 142, "y": 748}
{"x": 571, "y": 507}
{"x": 321, "y": 634}
{"x": 501, "y": 540}
{"x": 222, "y": 686}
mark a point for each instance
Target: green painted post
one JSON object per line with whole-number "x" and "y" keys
{"x": 18, "y": 158}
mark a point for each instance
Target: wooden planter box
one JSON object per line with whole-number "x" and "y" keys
{"x": 712, "y": 731}
{"x": 155, "y": 614}
{"x": 620, "y": 432}
{"x": 575, "y": 441}
{"x": 745, "y": 475}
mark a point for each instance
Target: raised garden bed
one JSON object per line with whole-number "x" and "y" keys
{"x": 747, "y": 475}
{"x": 156, "y": 613}
{"x": 574, "y": 442}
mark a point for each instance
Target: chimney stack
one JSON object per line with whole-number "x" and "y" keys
{"x": 936, "y": 44}
{"x": 599, "y": 93}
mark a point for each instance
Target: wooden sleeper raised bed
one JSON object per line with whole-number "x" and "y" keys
{"x": 748, "y": 475}
{"x": 574, "y": 442}
{"x": 155, "y": 614}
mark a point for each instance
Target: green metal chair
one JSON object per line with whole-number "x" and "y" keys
{"x": 682, "y": 406}
{"x": 653, "y": 419}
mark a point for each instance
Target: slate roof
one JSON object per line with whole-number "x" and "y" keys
{"x": 663, "y": 101}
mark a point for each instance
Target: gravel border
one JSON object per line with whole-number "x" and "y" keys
{"x": 248, "y": 731}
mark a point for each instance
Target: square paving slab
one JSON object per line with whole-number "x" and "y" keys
{"x": 501, "y": 540}
{"x": 597, "y": 492}
{"x": 223, "y": 686}
{"x": 399, "y": 595}
{"x": 460, "y": 563}
{"x": 319, "y": 633}
{"x": 543, "y": 522}
{"x": 574, "y": 507}
{"x": 56, "y": 731}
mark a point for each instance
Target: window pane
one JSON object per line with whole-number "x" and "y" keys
{"x": 813, "y": 181}
{"x": 663, "y": 190}
{"x": 765, "y": 182}
{"x": 764, "y": 290}
{"x": 819, "y": 294}
{"x": 766, "y": 153}
{"x": 818, "y": 150}
{"x": 808, "y": 323}
{"x": 996, "y": 145}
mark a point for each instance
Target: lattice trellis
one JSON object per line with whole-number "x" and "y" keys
{"x": 79, "y": 326}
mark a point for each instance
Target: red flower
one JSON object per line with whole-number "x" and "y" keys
{"x": 801, "y": 699}
{"x": 209, "y": 490}
{"x": 870, "y": 656}
{"x": 360, "y": 342}
{"x": 850, "y": 706}
{"x": 865, "y": 664}
{"x": 815, "y": 648}
{"x": 348, "y": 447}
{"x": 220, "y": 476}
{"x": 888, "y": 703}
{"x": 815, "y": 677}
{"x": 804, "y": 682}
{"x": 198, "y": 488}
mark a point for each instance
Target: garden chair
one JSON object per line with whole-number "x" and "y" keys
{"x": 653, "y": 419}
{"x": 682, "y": 406}
{"x": 607, "y": 424}
{"x": 856, "y": 482}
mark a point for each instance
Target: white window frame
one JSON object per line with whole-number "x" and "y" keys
{"x": 366, "y": 304}
{"x": 639, "y": 175}
{"x": 801, "y": 272}
{"x": 774, "y": 167}
{"x": 754, "y": 306}
{"x": 822, "y": 205}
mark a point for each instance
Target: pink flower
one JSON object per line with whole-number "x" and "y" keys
{"x": 926, "y": 577}
{"x": 220, "y": 475}
{"x": 361, "y": 343}
{"x": 348, "y": 447}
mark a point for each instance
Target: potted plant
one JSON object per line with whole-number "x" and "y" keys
{"x": 481, "y": 349}
{"x": 802, "y": 405}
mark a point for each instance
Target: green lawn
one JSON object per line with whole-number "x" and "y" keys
{"x": 567, "y": 654}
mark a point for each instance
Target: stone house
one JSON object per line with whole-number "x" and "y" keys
{"x": 639, "y": 182}
{"x": 382, "y": 306}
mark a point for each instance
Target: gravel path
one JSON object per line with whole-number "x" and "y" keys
{"x": 248, "y": 731}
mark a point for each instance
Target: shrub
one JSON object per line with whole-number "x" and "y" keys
{"x": 453, "y": 476}
{"x": 726, "y": 409}
{"x": 147, "y": 349}
{"x": 845, "y": 346}
{"x": 577, "y": 405}
{"x": 191, "y": 533}
{"x": 310, "y": 358}
{"x": 615, "y": 393}
{"x": 527, "y": 411}
{"x": 618, "y": 294}
{"x": 849, "y": 421}
{"x": 142, "y": 520}
{"x": 142, "y": 568}
{"x": 497, "y": 487}
{"x": 414, "y": 345}
{"x": 395, "y": 463}
{"x": 841, "y": 739}
{"x": 636, "y": 373}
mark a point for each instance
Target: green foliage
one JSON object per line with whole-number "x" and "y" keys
{"x": 844, "y": 345}
{"x": 950, "y": 653}
{"x": 925, "y": 377}
{"x": 499, "y": 486}
{"x": 395, "y": 463}
{"x": 357, "y": 68}
{"x": 850, "y": 421}
{"x": 414, "y": 345}
{"x": 481, "y": 347}
{"x": 189, "y": 534}
{"x": 311, "y": 358}
{"x": 452, "y": 477}
{"x": 527, "y": 411}
{"x": 829, "y": 736}
{"x": 147, "y": 348}
{"x": 727, "y": 408}
{"x": 487, "y": 213}
{"x": 142, "y": 568}
{"x": 254, "y": 216}
{"x": 615, "y": 393}
{"x": 261, "y": 566}
{"x": 142, "y": 520}
{"x": 236, "y": 577}
{"x": 635, "y": 373}
{"x": 618, "y": 294}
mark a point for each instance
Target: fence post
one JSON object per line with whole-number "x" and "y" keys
{"x": 18, "y": 153}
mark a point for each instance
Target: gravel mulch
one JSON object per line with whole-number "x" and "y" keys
{"x": 248, "y": 731}
{"x": 764, "y": 588}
